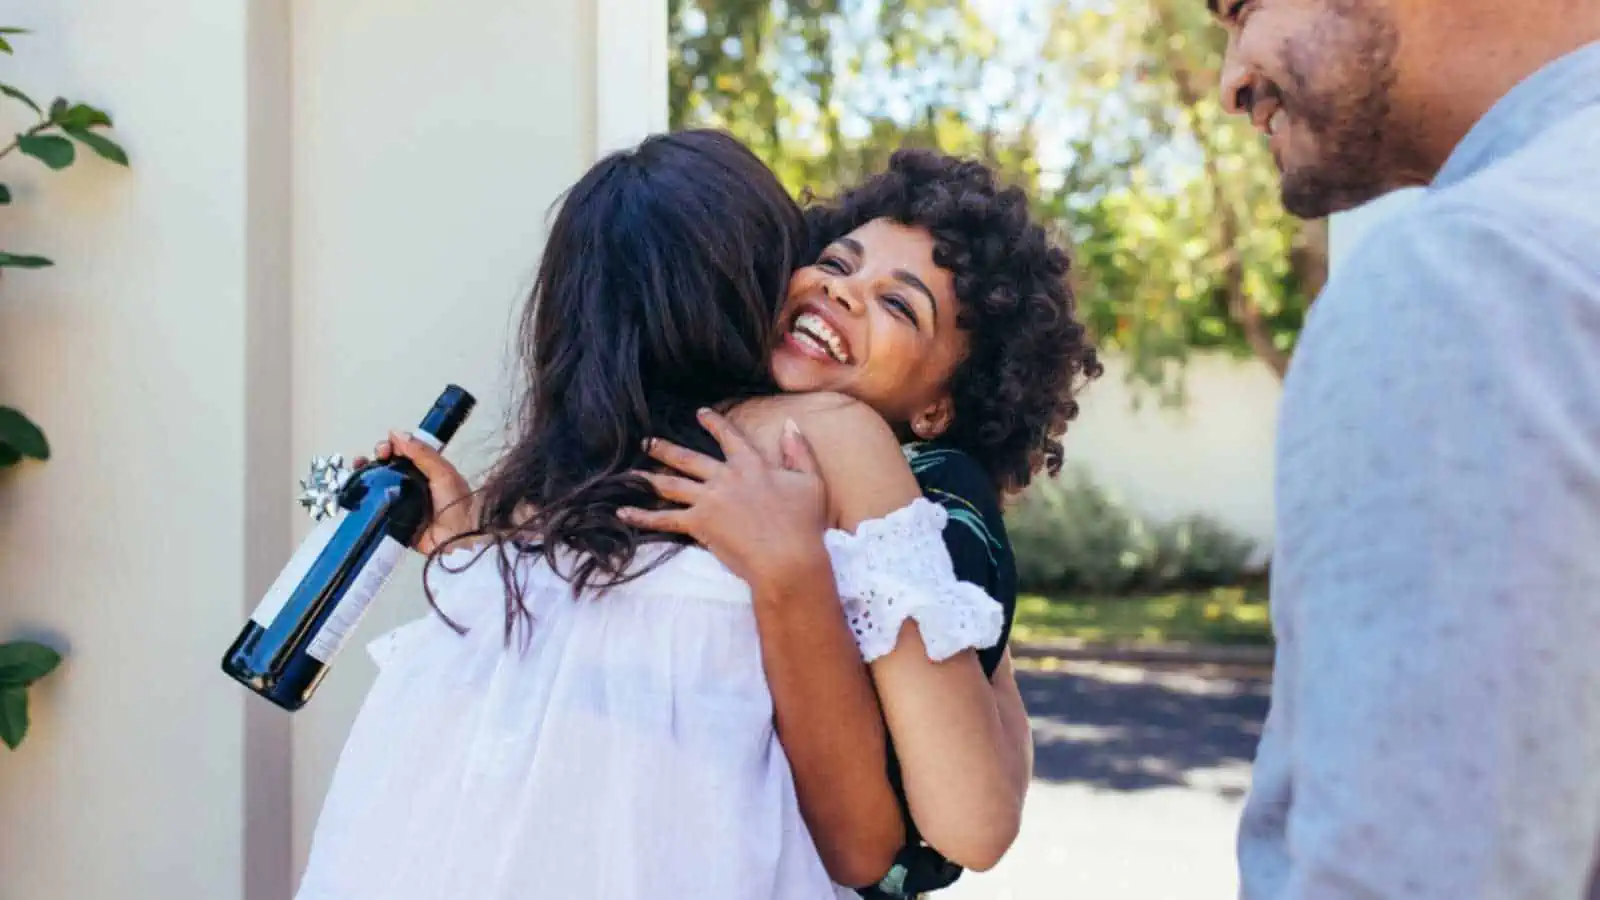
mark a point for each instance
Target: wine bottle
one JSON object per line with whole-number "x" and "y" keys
{"x": 300, "y": 625}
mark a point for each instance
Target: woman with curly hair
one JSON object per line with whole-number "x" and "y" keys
{"x": 935, "y": 299}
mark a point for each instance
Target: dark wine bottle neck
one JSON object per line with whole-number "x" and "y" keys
{"x": 446, "y": 416}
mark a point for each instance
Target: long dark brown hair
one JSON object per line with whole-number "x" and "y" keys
{"x": 657, "y": 292}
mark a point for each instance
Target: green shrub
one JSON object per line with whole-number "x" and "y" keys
{"x": 1196, "y": 551}
{"x": 1071, "y": 534}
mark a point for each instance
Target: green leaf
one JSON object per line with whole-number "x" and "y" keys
{"x": 13, "y": 716}
{"x": 82, "y": 115}
{"x": 18, "y": 261}
{"x": 55, "y": 152}
{"x": 58, "y": 109}
{"x": 17, "y": 432}
{"x": 12, "y": 92}
{"x": 12, "y": 30}
{"x": 5, "y": 46}
{"x": 107, "y": 148}
{"x": 5, "y": 195}
{"x": 24, "y": 662}
{"x": 8, "y": 456}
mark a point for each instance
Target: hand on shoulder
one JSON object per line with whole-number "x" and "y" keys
{"x": 824, "y": 417}
{"x": 859, "y": 456}
{"x": 764, "y": 520}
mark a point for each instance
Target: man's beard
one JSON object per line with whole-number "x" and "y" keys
{"x": 1345, "y": 112}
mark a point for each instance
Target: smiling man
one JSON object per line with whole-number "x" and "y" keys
{"x": 1435, "y": 723}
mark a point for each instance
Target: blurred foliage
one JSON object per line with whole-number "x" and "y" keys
{"x": 1106, "y": 111}
{"x": 1069, "y": 533}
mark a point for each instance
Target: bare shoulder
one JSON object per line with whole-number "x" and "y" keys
{"x": 857, "y": 452}
{"x": 831, "y": 422}
{"x": 845, "y": 423}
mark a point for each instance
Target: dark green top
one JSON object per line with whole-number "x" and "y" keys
{"x": 976, "y": 538}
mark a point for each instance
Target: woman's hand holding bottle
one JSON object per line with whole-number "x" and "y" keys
{"x": 454, "y": 506}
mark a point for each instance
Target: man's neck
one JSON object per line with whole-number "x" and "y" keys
{"x": 1481, "y": 59}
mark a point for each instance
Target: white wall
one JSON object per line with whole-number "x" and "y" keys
{"x": 128, "y": 548}
{"x": 1212, "y": 456}
{"x": 431, "y": 140}
{"x": 334, "y": 209}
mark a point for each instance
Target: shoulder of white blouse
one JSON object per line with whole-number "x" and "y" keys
{"x": 896, "y": 569}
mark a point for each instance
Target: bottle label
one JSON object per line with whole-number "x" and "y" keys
{"x": 353, "y": 605}
{"x": 299, "y": 564}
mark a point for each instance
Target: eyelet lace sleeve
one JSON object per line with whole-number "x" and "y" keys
{"x": 897, "y": 568}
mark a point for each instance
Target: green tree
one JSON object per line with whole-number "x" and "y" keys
{"x": 1107, "y": 113}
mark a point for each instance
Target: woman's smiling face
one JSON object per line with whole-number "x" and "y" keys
{"x": 875, "y": 318}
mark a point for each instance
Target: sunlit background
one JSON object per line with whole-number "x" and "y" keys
{"x": 331, "y": 209}
{"x": 1144, "y": 629}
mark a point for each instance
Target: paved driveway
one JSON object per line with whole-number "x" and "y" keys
{"x": 1141, "y": 772}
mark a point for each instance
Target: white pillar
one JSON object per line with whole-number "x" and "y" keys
{"x": 268, "y": 761}
{"x": 431, "y": 138}
{"x": 630, "y": 61}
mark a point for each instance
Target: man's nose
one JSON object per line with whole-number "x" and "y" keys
{"x": 1238, "y": 85}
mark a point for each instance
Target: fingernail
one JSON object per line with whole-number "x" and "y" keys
{"x": 625, "y": 513}
{"x": 791, "y": 428}
{"x": 645, "y": 444}
{"x": 703, "y": 412}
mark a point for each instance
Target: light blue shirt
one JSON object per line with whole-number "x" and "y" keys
{"x": 1435, "y": 723}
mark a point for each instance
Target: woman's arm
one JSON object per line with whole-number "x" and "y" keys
{"x": 828, "y": 720}
{"x": 1014, "y": 718}
{"x": 980, "y": 552}
{"x": 959, "y": 765}
{"x": 825, "y": 708}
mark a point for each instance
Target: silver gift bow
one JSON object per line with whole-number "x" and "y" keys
{"x": 319, "y": 491}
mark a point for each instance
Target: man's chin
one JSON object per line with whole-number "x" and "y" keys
{"x": 1309, "y": 206}
{"x": 1305, "y": 195}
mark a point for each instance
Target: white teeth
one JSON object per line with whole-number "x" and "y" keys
{"x": 1276, "y": 122}
{"x": 802, "y": 338}
{"x": 815, "y": 331}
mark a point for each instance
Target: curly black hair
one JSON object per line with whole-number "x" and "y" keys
{"x": 1028, "y": 354}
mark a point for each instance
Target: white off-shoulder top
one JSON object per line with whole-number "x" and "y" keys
{"x": 625, "y": 750}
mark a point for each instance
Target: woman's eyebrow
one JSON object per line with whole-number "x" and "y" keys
{"x": 912, "y": 280}
{"x": 900, "y": 275}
